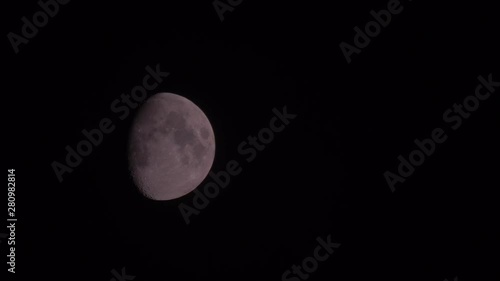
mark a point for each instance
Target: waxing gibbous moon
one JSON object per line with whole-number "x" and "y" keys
{"x": 171, "y": 147}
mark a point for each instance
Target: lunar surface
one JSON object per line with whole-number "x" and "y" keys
{"x": 171, "y": 147}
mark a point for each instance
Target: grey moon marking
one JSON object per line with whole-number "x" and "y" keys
{"x": 171, "y": 147}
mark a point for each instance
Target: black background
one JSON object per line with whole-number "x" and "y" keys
{"x": 322, "y": 175}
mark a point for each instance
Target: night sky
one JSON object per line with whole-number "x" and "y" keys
{"x": 322, "y": 176}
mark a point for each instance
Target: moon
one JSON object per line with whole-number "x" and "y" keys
{"x": 171, "y": 147}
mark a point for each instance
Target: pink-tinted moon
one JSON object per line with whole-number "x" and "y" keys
{"x": 171, "y": 147}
